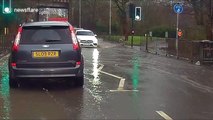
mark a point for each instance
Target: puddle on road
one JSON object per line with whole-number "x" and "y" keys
{"x": 95, "y": 56}
{"x": 95, "y": 80}
{"x": 4, "y": 92}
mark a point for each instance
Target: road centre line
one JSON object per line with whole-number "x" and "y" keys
{"x": 164, "y": 115}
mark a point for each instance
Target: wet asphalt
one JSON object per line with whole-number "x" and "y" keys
{"x": 120, "y": 83}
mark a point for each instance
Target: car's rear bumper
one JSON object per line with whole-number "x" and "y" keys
{"x": 46, "y": 72}
{"x": 89, "y": 44}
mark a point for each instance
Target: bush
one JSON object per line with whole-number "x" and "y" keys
{"x": 160, "y": 31}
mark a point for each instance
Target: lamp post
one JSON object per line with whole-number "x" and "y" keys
{"x": 211, "y": 18}
{"x": 110, "y": 18}
{"x": 79, "y": 14}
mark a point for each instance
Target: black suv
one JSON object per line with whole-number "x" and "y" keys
{"x": 46, "y": 50}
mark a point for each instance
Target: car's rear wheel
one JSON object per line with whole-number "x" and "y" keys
{"x": 13, "y": 83}
{"x": 79, "y": 82}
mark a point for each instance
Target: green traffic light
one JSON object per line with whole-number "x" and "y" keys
{"x": 138, "y": 13}
{"x": 6, "y": 6}
{"x": 7, "y": 10}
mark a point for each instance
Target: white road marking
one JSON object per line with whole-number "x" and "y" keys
{"x": 164, "y": 115}
{"x": 121, "y": 83}
{"x": 122, "y": 80}
{"x": 101, "y": 67}
{"x": 123, "y": 90}
{"x": 115, "y": 76}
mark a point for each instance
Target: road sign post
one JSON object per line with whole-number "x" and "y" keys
{"x": 132, "y": 32}
{"x": 178, "y": 8}
{"x": 132, "y": 16}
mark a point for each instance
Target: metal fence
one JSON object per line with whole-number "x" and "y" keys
{"x": 191, "y": 50}
{"x": 157, "y": 45}
{"x": 207, "y": 51}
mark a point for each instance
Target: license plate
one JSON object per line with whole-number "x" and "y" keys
{"x": 86, "y": 44}
{"x": 45, "y": 54}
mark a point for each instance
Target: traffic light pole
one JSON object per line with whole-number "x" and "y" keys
{"x": 177, "y": 52}
{"x": 131, "y": 15}
{"x": 132, "y": 32}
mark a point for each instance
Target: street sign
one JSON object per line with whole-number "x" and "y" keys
{"x": 166, "y": 34}
{"x": 178, "y": 8}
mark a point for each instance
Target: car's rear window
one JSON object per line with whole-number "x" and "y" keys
{"x": 46, "y": 35}
{"x": 87, "y": 33}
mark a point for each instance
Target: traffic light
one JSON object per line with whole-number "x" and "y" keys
{"x": 6, "y": 6}
{"x": 137, "y": 13}
{"x": 180, "y": 33}
{"x": 131, "y": 10}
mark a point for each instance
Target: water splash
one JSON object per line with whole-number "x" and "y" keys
{"x": 95, "y": 56}
{"x": 95, "y": 73}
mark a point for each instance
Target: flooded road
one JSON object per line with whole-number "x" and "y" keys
{"x": 120, "y": 83}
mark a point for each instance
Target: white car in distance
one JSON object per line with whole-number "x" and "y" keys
{"x": 87, "y": 38}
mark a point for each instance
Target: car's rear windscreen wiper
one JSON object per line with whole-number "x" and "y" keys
{"x": 52, "y": 40}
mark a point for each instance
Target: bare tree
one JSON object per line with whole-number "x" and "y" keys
{"x": 122, "y": 7}
{"x": 203, "y": 14}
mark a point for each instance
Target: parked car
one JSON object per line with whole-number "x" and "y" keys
{"x": 46, "y": 50}
{"x": 87, "y": 38}
{"x": 76, "y": 28}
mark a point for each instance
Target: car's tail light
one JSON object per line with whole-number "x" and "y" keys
{"x": 74, "y": 39}
{"x": 17, "y": 40}
{"x": 71, "y": 28}
{"x": 78, "y": 63}
{"x": 13, "y": 64}
{"x": 75, "y": 46}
